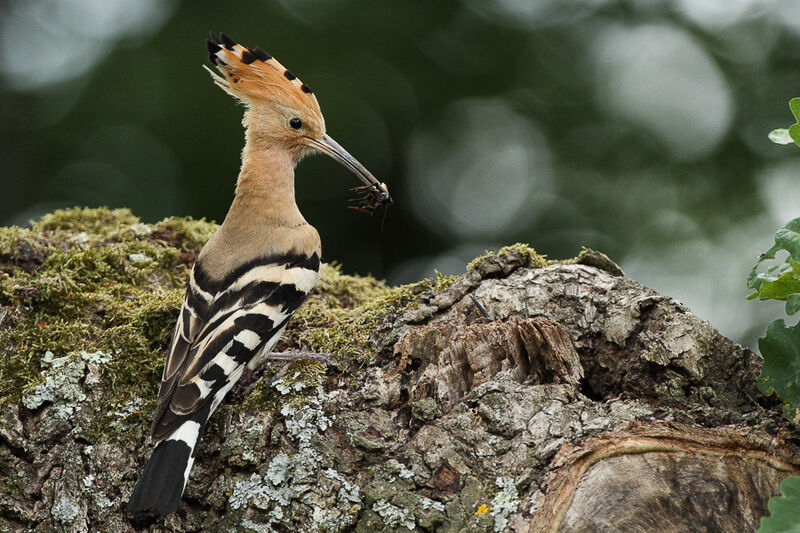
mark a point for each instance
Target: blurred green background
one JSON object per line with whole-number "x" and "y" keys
{"x": 635, "y": 127}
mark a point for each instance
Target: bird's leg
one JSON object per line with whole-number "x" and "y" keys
{"x": 291, "y": 357}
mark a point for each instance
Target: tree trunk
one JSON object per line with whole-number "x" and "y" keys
{"x": 524, "y": 397}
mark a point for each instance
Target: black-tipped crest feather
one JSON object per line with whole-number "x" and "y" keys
{"x": 227, "y": 41}
{"x": 261, "y": 54}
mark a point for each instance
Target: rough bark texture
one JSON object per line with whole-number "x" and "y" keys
{"x": 579, "y": 401}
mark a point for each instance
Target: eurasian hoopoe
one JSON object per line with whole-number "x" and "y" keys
{"x": 253, "y": 273}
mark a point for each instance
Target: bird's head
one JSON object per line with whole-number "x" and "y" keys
{"x": 281, "y": 111}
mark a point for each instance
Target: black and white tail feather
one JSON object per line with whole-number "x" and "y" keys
{"x": 224, "y": 326}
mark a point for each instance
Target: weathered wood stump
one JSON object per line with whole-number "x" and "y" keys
{"x": 524, "y": 396}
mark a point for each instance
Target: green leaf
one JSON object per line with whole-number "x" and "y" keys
{"x": 780, "y": 374}
{"x": 782, "y": 280}
{"x": 792, "y": 304}
{"x": 780, "y": 136}
{"x": 779, "y": 288}
{"x": 788, "y": 238}
{"x": 794, "y": 133}
{"x": 774, "y": 273}
{"x": 784, "y": 510}
{"x": 794, "y": 107}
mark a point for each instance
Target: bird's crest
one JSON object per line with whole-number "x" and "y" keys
{"x": 254, "y": 76}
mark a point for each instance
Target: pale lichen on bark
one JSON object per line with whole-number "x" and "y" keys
{"x": 526, "y": 395}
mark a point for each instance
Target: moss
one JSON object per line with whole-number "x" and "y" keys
{"x": 99, "y": 279}
{"x": 343, "y": 310}
{"x": 103, "y": 282}
{"x": 289, "y": 389}
{"x": 10, "y": 238}
{"x": 101, "y": 221}
{"x": 338, "y": 318}
{"x": 424, "y": 410}
{"x": 528, "y": 255}
{"x": 443, "y": 282}
{"x": 189, "y": 233}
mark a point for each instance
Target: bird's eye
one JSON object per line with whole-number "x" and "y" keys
{"x": 296, "y": 123}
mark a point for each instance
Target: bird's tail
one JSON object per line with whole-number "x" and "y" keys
{"x": 159, "y": 490}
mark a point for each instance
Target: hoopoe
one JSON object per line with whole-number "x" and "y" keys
{"x": 253, "y": 273}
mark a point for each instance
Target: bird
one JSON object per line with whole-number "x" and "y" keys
{"x": 252, "y": 274}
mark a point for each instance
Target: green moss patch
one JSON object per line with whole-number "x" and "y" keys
{"x": 528, "y": 254}
{"x": 344, "y": 310}
{"x": 92, "y": 279}
{"x": 85, "y": 280}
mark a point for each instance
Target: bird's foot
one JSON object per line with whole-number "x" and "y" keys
{"x": 291, "y": 357}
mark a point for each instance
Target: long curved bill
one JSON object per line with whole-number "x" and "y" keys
{"x": 330, "y": 147}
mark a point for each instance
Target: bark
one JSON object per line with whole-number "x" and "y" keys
{"x": 522, "y": 398}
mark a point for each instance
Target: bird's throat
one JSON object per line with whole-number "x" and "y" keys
{"x": 265, "y": 189}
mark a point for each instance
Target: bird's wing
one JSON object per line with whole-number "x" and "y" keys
{"x": 222, "y": 326}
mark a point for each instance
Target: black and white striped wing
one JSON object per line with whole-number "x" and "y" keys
{"x": 224, "y": 326}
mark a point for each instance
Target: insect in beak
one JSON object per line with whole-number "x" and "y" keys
{"x": 371, "y": 198}
{"x": 375, "y": 193}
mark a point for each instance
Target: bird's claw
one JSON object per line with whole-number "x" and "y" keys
{"x": 291, "y": 357}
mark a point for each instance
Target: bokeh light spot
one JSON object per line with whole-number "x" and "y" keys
{"x": 480, "y": 170}
{"x": 659, "y": 78}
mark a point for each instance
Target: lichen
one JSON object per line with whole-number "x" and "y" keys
{"x": 289, "y": 389}
{"x": 76, "y": 282}
{"x": 88, "y": 302}
{"x": 291, "y": 477}
{"x": 504, "y": 503}
{"x": 249, "y": 525}
{"x": 394, "y": 516}
{"x": 62, "y": 382}
{"x": 278, "y": 468}
{"x": 348, "y": 491}
{"x": 395, "y": 466}
{"x": 65, "y": 510}
{"x": 98, "y": 357}
{"x": 427, "y": 503}
{"x": 263, "y": 492}
{"x": 304, "y": 422}
{"x": 101, "y": 280}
